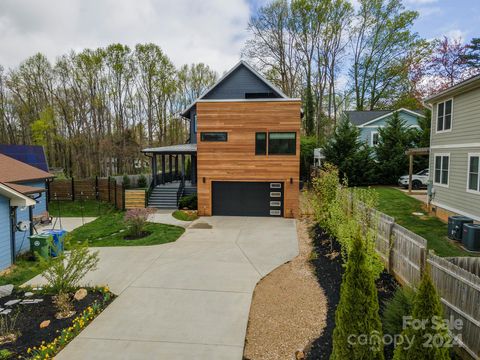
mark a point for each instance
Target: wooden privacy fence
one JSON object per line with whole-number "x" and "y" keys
{"x": 135, "y": 199}
{"x": 457, "y": 280}
{"x": 103, "y": 189}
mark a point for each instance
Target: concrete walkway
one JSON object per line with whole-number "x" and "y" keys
{"x": 66, "y": 223}
{"x": 165, "y": 217}
{"x": 185, "y": 300}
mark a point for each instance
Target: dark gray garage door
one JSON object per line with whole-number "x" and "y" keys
{"x": 247, "y": 198}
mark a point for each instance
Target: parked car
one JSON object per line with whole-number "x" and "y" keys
{"x": 419, "y": 180}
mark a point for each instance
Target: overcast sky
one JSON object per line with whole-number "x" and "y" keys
{"x": 209, "y": 31}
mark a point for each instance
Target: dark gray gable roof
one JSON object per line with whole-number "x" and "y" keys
{"x": 362, "y": 117}
{"x": 241, "y": 79}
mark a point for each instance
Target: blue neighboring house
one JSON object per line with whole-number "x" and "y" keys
{"x": 368, "y": 122}
{"x": 22, "y": 198}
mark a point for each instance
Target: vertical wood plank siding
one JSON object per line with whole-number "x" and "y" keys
{"x": 235, "y": 160}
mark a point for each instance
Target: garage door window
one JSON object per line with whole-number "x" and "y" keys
{"x": 283, "y": 143}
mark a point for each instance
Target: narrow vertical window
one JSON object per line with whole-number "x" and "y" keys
{"x": 442, "y": 168}
{"x": 260, "y": 143}
{"x": 473, "y": 173}
{"x": 444, "y": 116}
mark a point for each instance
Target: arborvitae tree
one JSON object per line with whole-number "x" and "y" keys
{"x": 428, "y": 309}
{"x": 394, "y": 139}
{"x": 361, "y": 168}
{"x": 357, "y": 312}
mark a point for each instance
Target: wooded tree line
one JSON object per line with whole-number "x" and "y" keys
{"x": 94, "y": 110}
{"x": 338, "y": 57}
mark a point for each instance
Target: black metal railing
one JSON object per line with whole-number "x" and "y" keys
{"x": 180, "y": 191}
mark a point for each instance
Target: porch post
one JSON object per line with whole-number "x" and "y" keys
{"x": 170, "y": 167}
{"x": 154, "y": 169}
{"x": 176, "y": 166}
{"x": 163, "y": 168}
{"x": 194, "y": 168}
{"x": 183, "y": 168}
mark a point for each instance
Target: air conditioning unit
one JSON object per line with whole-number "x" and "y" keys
{"x": 455, "y": 226}
{"x": 471, "y": 237}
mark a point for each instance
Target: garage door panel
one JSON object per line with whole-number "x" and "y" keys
{"x": 247, "y": 198}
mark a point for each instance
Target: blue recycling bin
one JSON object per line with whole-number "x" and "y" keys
{"x": 58, "y": 241}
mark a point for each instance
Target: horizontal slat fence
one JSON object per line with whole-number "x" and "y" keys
{"x": 135, "y": 199}
{"x": 104, "y": 189}
{"x": 457, "y": 280}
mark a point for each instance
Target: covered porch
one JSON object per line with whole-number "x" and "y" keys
{"x": 174, "y": 174}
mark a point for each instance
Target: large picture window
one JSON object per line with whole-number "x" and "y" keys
{"x": 442, "y": 165}
{"x": 282, "y": 143}
{"x": 473, "y": 172}
{"x": 444, "y": 116}
{"x": 260, "y": 143}
{"x": 213, "y": 136}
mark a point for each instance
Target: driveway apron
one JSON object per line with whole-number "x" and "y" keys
{"x": 185, "y": 300}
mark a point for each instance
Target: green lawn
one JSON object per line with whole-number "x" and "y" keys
{"x": 110, "y": 229}
{"x": 22, "y": 271}
{"x": 78, "y": 208}
{"x": 395, "y": 203}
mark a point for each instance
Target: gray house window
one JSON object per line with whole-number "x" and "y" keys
{"x": 473, "y": 172}
{"x": 213, "y": 136}
{"x": 282, "y": 143}
{"x": 444, "y": 116}
{"x": 261, "y": 143}
{"x": 442, "y": 165}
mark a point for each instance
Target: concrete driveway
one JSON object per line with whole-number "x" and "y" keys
{"x": 185, "y": 300}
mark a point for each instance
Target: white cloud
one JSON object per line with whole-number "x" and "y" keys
{"x": 209, "y": 31}
{"x": 456, "y": 34}
{"x": 420, "y": 2}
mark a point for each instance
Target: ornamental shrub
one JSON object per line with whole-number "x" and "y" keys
{"x": 400, "y": 305}
{"x": 126, "y": 181}
{"x": 136, "y": 220}
{"x": 357, "y": 311}
{"x": 142, "y": 181}
{"x": 429, "y": 341}
{"x": 189, "y": 202}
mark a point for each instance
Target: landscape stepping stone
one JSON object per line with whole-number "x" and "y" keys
{"x": 6, "y": 290}
{"x": 12, "y": 302}
{"x": 6, "y": 312}
{"x": 28, "y": 294}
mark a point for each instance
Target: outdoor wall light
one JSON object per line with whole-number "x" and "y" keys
{"x": 203, "y": 180}
{"x": 291, "y": 180}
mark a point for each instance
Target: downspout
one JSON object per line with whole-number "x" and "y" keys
{"x": 13, "y": 224}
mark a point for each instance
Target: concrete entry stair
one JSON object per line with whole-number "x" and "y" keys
{"x": 189, "y": 299}
{"x": 164, "y": 196}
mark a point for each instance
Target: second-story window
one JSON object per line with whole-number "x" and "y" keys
{"x": 261, "y": 143}
{"x": 282, "y": 143}
{"x": 213, "y": 136}
{"x": 444, "y": 116}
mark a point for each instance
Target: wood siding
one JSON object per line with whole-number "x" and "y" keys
{"x": 235, "y": 160}
{"x": 134, "y": 199}
{"x": 464, "y": 138}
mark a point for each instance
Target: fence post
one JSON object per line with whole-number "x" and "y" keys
{"x": 73, "y": 189}
{"x": 108, "y": 186}
{"x": 146, "y": 198}
{"x": 48, "y": 192}
{"x": 96, "y": 188}
{"x": 390, "y": 247}
{"x": 115, "y": 194}
{"x": 423, "y": 260}
{"x": 123, "y": 197}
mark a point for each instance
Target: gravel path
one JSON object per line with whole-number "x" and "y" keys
{"x": 289, "y": 308}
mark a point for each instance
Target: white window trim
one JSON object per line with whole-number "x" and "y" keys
{"x": 371, "y": 138}
{"x": 435, "y": 169}
{"x": 476, "y": 192}
{"x": 436, "y": 118}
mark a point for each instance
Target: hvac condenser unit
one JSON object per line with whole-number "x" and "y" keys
{"x": 471, "y": 237}
{"x": 455, "y": 226}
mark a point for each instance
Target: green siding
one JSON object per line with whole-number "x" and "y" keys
{"x": 464, "y": 138}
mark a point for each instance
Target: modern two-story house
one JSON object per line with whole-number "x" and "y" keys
{"x": 455, "y": 150}
{"x": 368, "y": 122}
{"x": 244, "y": 150}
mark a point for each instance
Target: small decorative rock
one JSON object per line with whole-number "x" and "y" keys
{"x": 12, "y": 302}
{"x": 299, "y": 355}
{"x": 80, "y": 294}
{"x": 28, "y": 294}
{"x": 6, "y": 290}
{"x": 6, "y": 312}
{"x": 44, "y": 324}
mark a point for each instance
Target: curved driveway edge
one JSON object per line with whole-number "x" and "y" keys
{"x": 185, "y": 300}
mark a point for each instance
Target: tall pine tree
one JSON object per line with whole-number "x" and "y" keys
{"x": 357, "y": 312}
{"x": 394, "y": 139}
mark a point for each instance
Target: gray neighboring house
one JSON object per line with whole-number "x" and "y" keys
{"x": 455, "y": 150}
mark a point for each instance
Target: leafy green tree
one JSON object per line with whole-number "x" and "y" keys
{"x": 394, "y": 139}
{"x": 307, "y": 145}
{"x": 472, "y": 56}
{"x": 421, "y": 139}
{"x": 428, "y": 310}
{"x": 400, "y": 305}
{"x": 361, "y": 168}
{"x": 357, "y": 312}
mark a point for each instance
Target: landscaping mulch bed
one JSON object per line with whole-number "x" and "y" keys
{"x": 31, "y": 315}
{"x": 329, "y": 271}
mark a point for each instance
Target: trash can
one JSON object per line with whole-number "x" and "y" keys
{"x": 58, "y": 240}
{"x": 41, "y": 244}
